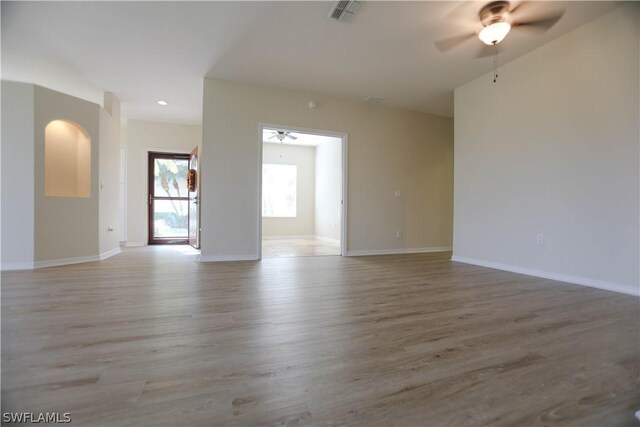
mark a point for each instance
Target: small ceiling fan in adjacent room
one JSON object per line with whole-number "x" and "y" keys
{"x": 281, "y": 135}
{"x": 497, "y": 19}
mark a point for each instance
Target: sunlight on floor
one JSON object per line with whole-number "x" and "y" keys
{"x": 183, "y": 249}
{"x": 278, "y": 248}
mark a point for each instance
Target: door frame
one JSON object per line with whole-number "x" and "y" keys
{"x": 144, "y": 167}
{"x": 196, "y": 201}
{"x": 150, "y": 187}
{"x": 343, "y": 212}
{"x": 123, "y": 184}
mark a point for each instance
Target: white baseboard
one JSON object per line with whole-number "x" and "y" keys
{"x": 59, "y": 262}
{"x": 398, "y": 251}
{"x": 10, "y": 266}
{"x": 66, "y": 261}
{"x": 303, "y": 236}
{"x": 110, "y": 253}
{"x": 292, "y": 237}
{"x": 576, "y": 280}
{"x": 134, "y": 244}
{"x": 227, "y": 258}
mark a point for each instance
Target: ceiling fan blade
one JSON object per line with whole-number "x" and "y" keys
{"x": 519, "y": 6}
{"x": 291, "y": 136}
{"x": 486, "y": 50}
{"x": 541, "y": 24}
{"x": 464, "y": 12}
{"x": 443, "y": 45}
{"x": 273, "y": 136}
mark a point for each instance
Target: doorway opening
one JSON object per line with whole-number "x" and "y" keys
{"x": 302, "y": 192}
{"x": 168, "y": 198}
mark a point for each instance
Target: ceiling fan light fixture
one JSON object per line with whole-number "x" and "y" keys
{"x": 494, "y": 33}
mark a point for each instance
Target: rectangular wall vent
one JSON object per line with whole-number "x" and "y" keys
{"x": 343, "y": 10}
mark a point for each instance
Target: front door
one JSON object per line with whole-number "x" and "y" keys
{"x": 168, "y": 198}
{"x": 194, "y": 207}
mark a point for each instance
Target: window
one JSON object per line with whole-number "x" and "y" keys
{"x": 279, "y": 187}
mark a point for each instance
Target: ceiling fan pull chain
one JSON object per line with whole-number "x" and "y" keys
{"x": 495, "y": 62}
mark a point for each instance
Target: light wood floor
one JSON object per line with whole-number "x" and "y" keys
{"x": 152, "y": 337}
{"x": 297, "y": 247}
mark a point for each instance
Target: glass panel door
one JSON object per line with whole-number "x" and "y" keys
{"x": 194, "y": 208}
{"x": 168, "y": 198}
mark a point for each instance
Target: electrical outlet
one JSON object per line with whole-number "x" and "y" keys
{"x": 397, "y": 194}
{"x": 398, "y": 234}
{"x": 540, "y": 239}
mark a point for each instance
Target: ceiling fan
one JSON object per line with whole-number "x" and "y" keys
{"x": 280, "y": 135}
{"x": 497, "y": 19}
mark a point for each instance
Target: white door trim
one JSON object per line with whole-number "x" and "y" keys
{"x": 122, "y": 187}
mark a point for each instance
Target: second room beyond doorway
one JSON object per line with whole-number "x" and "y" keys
{"x": 301, "y": 194}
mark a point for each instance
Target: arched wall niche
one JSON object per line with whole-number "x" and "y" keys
{"x": 67, "y": 154}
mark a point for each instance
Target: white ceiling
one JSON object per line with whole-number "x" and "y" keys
{"x": 304, "y": 139}
{"x": 146, "y": 51}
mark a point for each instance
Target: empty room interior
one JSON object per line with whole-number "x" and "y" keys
{"x": 302, "y": 180}
{"x": 352, "y": 213}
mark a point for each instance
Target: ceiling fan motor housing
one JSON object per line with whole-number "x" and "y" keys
{"x": 494, "y": 12}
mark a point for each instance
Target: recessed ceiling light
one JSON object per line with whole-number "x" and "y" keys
{"x": 161, "y": 102}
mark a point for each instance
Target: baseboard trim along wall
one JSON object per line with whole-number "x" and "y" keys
{"x": 134, "y": 244}
{"x": 303, "y": 236}
{"x": 110, "y": 253}
{"x": 77, "y": 260}
{"x": 398, "y": 251}
{"x": 226, "y": 258}
{"x": 292, "y": 237}
{"x": 12, "y": 266}
{"x": 66, "y": 261}
{"x": 576, "y": 280}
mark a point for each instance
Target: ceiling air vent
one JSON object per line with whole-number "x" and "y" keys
{"x": 343, "y": 10}
{"x": 374, "y": 99}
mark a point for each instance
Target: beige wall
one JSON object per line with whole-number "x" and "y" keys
{"x": 65, "y": 227}
{"x": 328, "y": 189}
{"x": 552, "y": 149}
{"x": 389, "y": 149}
{"x": 142, "y": 136}
{"x": 17, "y": 150}
{"x": 52, "y": 230}
{"x": 304, "y": 159}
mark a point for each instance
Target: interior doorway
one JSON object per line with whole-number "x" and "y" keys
{"x": 168, "y": 198}
{"x": 302, "y": 192}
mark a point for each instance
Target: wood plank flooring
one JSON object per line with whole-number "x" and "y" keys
{"x": 152, "y": 337}
{"x": 298, "y": 247}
